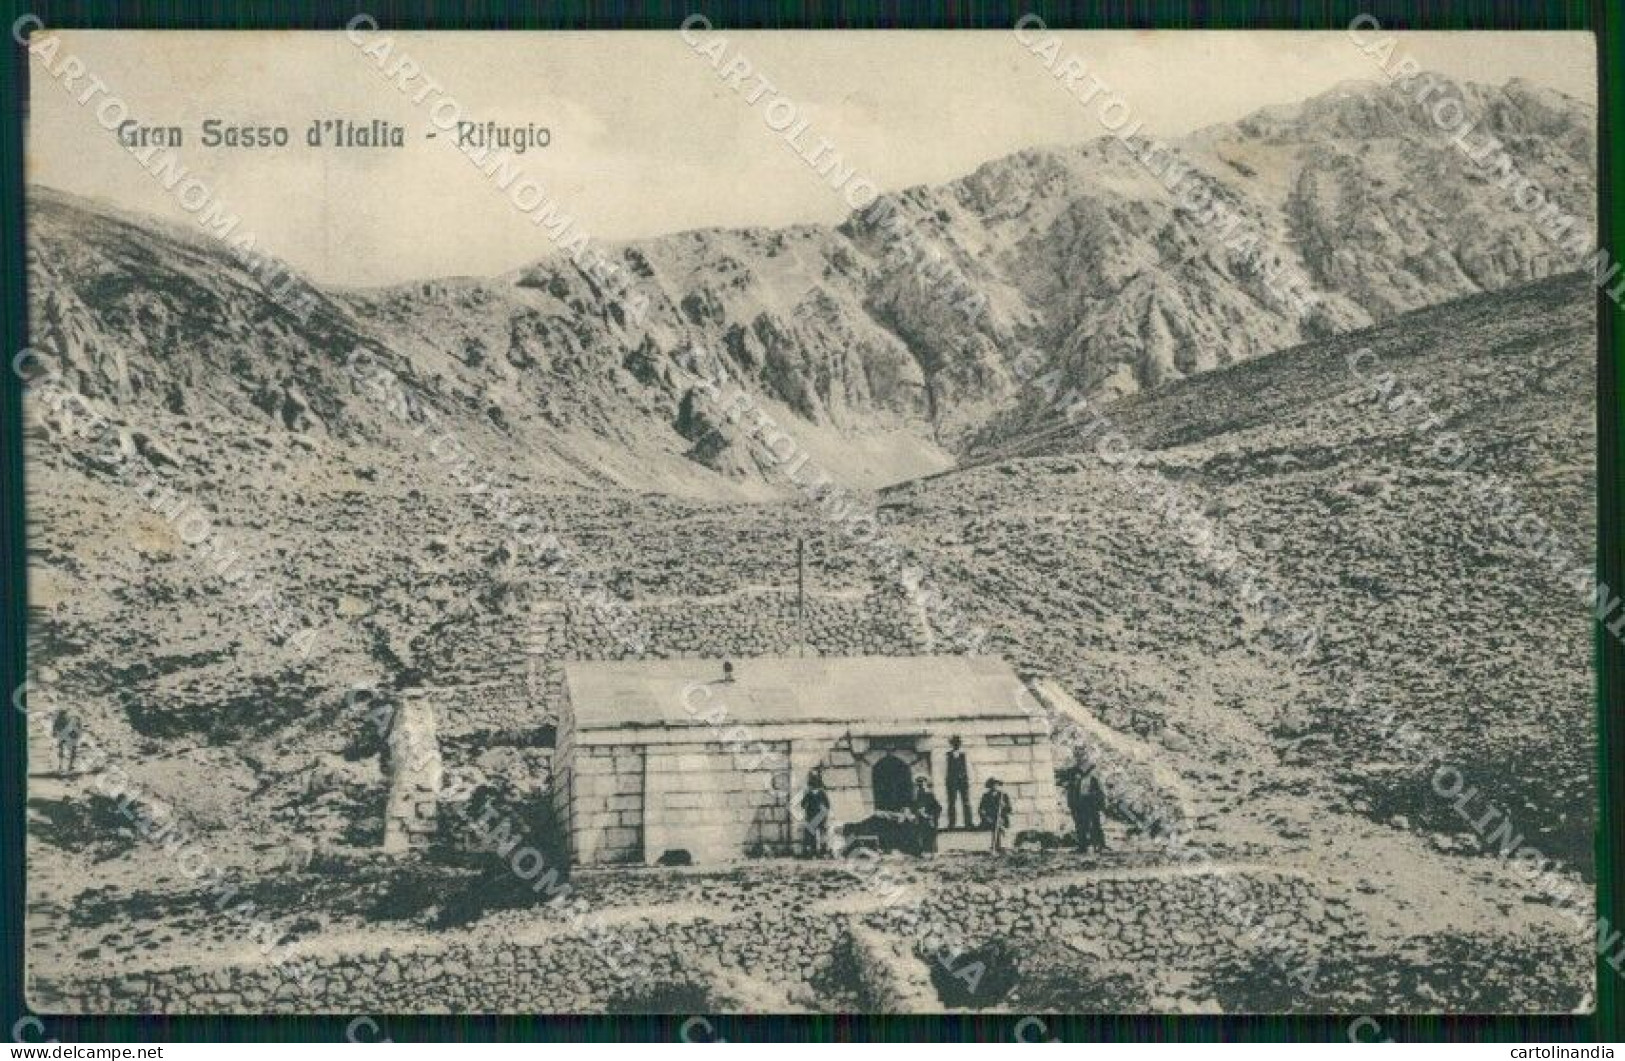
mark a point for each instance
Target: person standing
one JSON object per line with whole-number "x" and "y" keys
{"x": 996, "y": 811}
{"x": 1071, "y": 789}
{"x": 65, "y": 732}
{"x": 958, "y": 786}
{"x": 815, "y": 818}
{"x": 1094, "y": 803}
{"x": 927, "y": 814}
{"x": 1085, "y": 798}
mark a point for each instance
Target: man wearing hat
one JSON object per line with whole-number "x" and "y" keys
{"x": 996, "y": 811}
{"x": 927, "y": 812}
{"x": 815, "y": 818}
{"x": 1085, "y": 798}
{"x": 958, "y": 785}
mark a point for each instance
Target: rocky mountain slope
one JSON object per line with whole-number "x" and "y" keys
{"x": 1422, "y": 604}
{"x": 1440, "y": 637}
{"x": 1085, "y": 262}
{"x": 1429, "y": 618}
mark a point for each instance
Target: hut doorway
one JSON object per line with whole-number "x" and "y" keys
{"x": 893, "y": 785}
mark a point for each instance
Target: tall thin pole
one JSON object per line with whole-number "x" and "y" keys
{"x": 801, "y": 596}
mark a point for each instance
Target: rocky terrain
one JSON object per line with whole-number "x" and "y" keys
{"x": 1082, "y": 261}
{"x": 1428, "y": 610}
{"x": 373, "y": 542}
{"x": 1025, "y": 934}
{"x": 1338, "y": 504}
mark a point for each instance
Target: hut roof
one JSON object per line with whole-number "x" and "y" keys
{"x": 766, "y": 690}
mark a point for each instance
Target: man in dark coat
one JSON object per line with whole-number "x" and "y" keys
{"x": 996, "y": 811}
{"x": 927, "y": 813}
{"x": 958, "y": 786}
{"x": 1094, "y": 805}
{"x": 815, "y": 818}
{"x": 1085, "y": 798}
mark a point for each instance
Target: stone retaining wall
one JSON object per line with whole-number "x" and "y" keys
{"x": 789, "y": 947}
{"x": 755, "y": 623}
{"x": 1144, "y": 919}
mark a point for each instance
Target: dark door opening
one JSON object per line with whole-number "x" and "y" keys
{"x": 893, "y": 786}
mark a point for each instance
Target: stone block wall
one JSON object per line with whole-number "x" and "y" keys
{"x": 717, "y": 801}
{"x": 602, "y": 806}
{"x": 1025, "y": 766}
{"x": 633, "y": 802}
{"x": 640, "y": 797}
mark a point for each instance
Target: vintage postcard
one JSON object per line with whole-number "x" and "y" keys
{"x": 697, "y": 522}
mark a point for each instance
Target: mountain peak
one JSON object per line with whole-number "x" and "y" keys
{"x": 1081, "y": 264}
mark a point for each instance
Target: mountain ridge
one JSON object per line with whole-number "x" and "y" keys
{"x": 1089, "y": 267}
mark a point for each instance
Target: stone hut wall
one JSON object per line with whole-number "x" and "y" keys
{"x": 717, "y": 801}
{"x": 730, "y": 792}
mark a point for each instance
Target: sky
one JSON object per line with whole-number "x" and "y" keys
{"x": 646, "y": 139}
